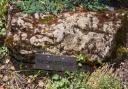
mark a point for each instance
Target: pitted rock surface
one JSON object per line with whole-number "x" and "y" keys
{"x": 68, "y": 33}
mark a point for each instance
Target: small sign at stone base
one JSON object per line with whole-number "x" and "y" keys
{"x": 57, "y": 63}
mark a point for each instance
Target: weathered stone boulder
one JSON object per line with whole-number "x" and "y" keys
{"x": 90, "y": 33}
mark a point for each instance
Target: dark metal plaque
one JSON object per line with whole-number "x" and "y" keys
{"x": 57, "y": 63}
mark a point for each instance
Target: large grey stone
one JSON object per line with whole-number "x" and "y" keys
{"x": 90, "y": 33}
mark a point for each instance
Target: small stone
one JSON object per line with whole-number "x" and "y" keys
{"x": 24, "y": 36}
{"x": 29, "y": 81}
{"x": 1, "y": 76}
{"x": 20, "y": 21}
{"x": 2, "y": 67}
{"x": 33, "y": 39}
{"x": 5, "y": 78}
{"x": 36, "y": 30}
{"x": 123, "y": 14}
{"x": 16, "y": 37}
{"x": 40, "y": 83}
{"x": 12, "y": 68}
{"x": 110, "y": 8}
{"x": 107, "y": 15}
{"x": 37, "y": 15}
{"x": 7, "y": 61}
{"x": 117, "y": 14}
{"x": 30, "y": 76}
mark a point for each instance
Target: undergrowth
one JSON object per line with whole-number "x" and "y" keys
{"x": 3, "y": 51}
{"x": 76, "y": 80}
{"x": 3, "y": 9}
{"x": 2, "y": 27}
{"x": 57, "y": 6}
{"x": 102, "y": 78}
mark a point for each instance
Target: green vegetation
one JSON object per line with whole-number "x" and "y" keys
{"x": 108, "y": 82}
{"x": 59, "y": 83}
{"x": 82, "y": 57}
{"x": 57, "y": 6}
{"x": 3, "y": 7}
{"x": 85, "y": 59}
{"x": 104, "y": 78}
{"x": 3, "y": 51}
{"x": 121, "y": 52}
{"x": 2, "y": 27}
{"x": 76, "y": 80}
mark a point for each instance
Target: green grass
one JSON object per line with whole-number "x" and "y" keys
{"x": 104, "y": 78}
{"x": 3, "y": 7}
{"x": 3, "y": 51}
{"x": 75, "y": 80}
{"x": 57, "y": 6}
{"x": 3, "y": 10}
{"x": 108, "y": 82}
{"x": 2, "y": 27}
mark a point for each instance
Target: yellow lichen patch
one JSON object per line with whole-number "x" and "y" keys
{"x": 44, "y": 30}
{"x": 121, "y": 51}
{"x": 47, "y": 19}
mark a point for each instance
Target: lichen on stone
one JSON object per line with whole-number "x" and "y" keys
{"x": 83, "y": 32}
